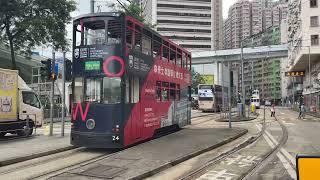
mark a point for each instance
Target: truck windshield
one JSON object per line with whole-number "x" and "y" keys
{"x": 31, "y": 99}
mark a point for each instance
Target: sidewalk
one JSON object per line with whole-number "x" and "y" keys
{"x": 22, "y": 149}
{"x": 55, "y": 120}
{"x": 146, "y": 159}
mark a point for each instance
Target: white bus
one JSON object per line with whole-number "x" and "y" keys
{"x": 209, "y": 97}
{"x": 255, "y": 98}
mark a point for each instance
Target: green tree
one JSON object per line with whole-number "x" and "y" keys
{"x": 25, "y": 24}
{"x": 196, "y": 80}
{"x": 131, "y": 8}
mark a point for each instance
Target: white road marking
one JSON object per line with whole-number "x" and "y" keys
{"x": 217, "y": 175}
{"x": 272, "y": 143}
{"x": 287, "y": 165}
{"x": 284, "y": 151}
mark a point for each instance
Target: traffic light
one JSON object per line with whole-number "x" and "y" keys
{"x": 46, "y": 69}
{"x": 68, "y": 70}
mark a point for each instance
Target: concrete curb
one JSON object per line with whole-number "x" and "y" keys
{"x": 188, "y": 156}
{"x": 33, "y": 156}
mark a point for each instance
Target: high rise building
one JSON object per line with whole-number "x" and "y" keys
{"x": 245, "y": 19}
{"x": 194, "y": 24}
{"x": 304, "y": 52}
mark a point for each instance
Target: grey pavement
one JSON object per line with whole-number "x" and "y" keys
{"x": 17, "y": 150}
{"x": 55, "y": 120}
{"x": 148, "y": 158}
{"x": 303, "y": 138}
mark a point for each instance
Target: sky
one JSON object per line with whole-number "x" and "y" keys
{"x": 84, "y": 7}
{"x": 225, "y": 5}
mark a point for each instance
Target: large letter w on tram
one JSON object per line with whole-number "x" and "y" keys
{"x": 79, "y": 108}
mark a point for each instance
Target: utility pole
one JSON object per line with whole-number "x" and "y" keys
{"x": 252, "y": 70}
{"x": 222, "y": 84}
{"x": 52, "y": 90}
{"x": 309, "y": 78}
{"x": 309, "y": 66}
{"x": 229, "y": 94}
{"x": 92, "y": 6}
{"x": 63, "y": 91}
{"x": 242, "y": 81}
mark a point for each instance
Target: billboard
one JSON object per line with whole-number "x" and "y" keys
{"x": 8, "y": 94}
{"x": 207, "y": 79}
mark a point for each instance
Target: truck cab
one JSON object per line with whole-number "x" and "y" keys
{"x": 29, "y": 104}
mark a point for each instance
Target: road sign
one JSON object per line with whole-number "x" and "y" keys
{"x": 295, "y": 73}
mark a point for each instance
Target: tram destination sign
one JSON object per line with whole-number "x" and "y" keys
{"x": 92, "y": 65}
{"x": 295, "y": 73}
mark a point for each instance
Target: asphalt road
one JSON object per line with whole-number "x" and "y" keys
{"x": 303, "y": 138}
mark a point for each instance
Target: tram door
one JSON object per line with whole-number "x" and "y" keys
{"x": 134, "y": 98}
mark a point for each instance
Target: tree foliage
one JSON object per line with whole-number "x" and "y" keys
{"x": 196, "y": 80}
{"x": 25, "y": 24}
{"x": 131, "y": 8}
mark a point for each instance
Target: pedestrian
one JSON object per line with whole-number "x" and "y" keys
{"x": 273, "y": 112}
{"x": 301, "y": 111}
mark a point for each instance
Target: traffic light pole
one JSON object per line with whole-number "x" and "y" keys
{"x": 63, "y": 92}
{"x": 52, "y": 92}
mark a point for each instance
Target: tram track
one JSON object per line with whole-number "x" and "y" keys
{"x": 42, "y": 166}
{"x": 202, "y": 169}
{"x": 268, "y": 157}
{"x": 46, "y": 167}
{"x": 255, "y": 168}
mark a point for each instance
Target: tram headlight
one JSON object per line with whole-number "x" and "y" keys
{"x": 90, "y": 124}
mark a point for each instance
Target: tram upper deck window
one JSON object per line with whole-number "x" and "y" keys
{"x": 95, "y": 32}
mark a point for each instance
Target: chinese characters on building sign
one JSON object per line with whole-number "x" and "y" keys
{"x": 295, "y": 73}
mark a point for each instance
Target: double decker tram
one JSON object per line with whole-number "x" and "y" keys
{"x": 129, "y": 82}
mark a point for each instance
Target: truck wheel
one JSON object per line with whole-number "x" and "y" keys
{"x": 25, "y": 132}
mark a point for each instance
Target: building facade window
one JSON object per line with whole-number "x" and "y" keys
{"x": 314, "y": 40}
{"x": 314, "y": 21}
{"x": 313, "y": 3}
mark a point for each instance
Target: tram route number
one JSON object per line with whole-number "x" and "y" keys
{"x": 115, "y": 138}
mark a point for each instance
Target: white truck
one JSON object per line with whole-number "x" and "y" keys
{"x": 20, "y": 107}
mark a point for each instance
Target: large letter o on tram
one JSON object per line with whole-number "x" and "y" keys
{"x": 106, "y": 65}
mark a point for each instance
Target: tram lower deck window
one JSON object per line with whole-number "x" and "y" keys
{"x": 111, "y": 90}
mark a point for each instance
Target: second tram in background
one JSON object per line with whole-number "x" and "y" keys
{"x": 210, "y": 97}
{"x": 129, "y": 82}
{"x": 255, "y": 98}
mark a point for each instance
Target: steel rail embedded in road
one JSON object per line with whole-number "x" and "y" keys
{"x": 271, "y": 154}
{"x": 49, "y": 165}
{"x": 58, "y": 172}
{"x": 223, "y": 156}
